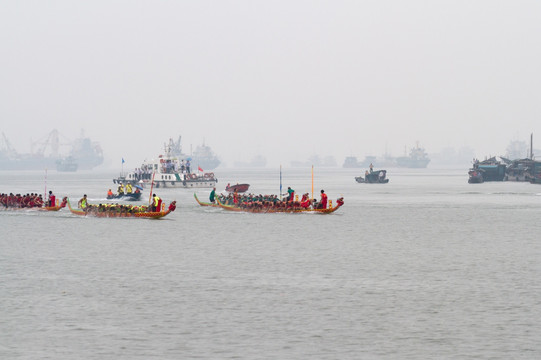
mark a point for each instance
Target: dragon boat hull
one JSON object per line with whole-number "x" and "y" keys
{"x": 35, "y": 208}
{"x": 148, "y": 215}
{"x": 51, "y": 208}
{"x": 279, "y": 210}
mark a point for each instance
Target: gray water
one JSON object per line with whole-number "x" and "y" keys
{"x": 424, "y": 267}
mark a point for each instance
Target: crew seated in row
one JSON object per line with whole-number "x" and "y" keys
{"x": 121, "y": 210}
{"x": 271, "y": 202}
{"x": 21, "y": 201}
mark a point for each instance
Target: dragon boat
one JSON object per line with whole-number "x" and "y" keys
{"x": 57, "y": 207}
{"x": 202, "y": 203}
{"x": 329, "y": 210}
{"x": 146, "y": 214}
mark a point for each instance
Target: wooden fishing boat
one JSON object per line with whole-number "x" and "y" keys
{"x": 202, "y": 203}
{"x": 339, "y": 203}
{"x": 240, "y": 188}
{"x": 373, "y": 177}
{"x": 148, "y": 215}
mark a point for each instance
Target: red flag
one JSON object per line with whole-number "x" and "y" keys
{"x": 199, "y": 168}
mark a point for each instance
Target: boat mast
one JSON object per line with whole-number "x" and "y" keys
{"x": 531, "y": 146}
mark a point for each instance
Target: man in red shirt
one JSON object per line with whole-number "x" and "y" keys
{"x": 305, "y": 201}
{"x": 323, "y": 201}
{"x": 52, "y": 199}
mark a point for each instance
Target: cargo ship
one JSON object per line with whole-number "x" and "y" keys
{"x": 417, "y": 158}
{"x": 45, "y": 154}
{"x": 203, "y": 156}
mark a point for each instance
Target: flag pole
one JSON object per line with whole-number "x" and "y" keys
{"x": 45, "y": 195}
{"x": 312, "y": 181}
{"x": 280, "y": 182}
{"x": 151, "y": 186}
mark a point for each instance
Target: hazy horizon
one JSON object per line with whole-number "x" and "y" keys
{"x": 286, "y": 80}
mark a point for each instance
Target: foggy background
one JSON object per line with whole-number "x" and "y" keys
{"x": 282, "y": 79}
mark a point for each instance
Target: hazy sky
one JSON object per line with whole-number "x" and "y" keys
{"x": 285, "y": 79}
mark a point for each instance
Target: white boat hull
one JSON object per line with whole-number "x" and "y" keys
{"x": 188, "y": 184}
{"x": 168, "y": 181}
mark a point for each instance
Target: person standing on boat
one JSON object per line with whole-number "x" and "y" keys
{"x": 187, "y": 166}
{"x": 120, "y": 189}
{"x": 291, "y": 194}
{"x": 52, "y": 199}
{"x": 129, "y": 188}
{"x": 156, "y": 203}
{"x": 212, "y": 196}
{"x": 83, "y": 203}
{"x": 323, "y": 201}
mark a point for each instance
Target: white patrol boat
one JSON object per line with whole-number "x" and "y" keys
{"x": 167, "y": 171}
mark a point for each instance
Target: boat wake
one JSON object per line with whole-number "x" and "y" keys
{"x": 511, "y": 193}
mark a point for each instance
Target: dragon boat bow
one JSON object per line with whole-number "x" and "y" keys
{"x": 203, "y": 203}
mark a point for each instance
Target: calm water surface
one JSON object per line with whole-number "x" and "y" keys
{"x": 424, "y": 267}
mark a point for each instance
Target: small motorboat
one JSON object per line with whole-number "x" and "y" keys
{"x": 136, "y": 196}
{"x": 240, "y": 188}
